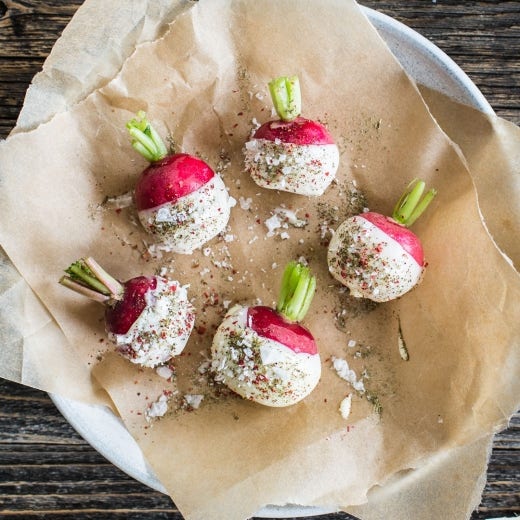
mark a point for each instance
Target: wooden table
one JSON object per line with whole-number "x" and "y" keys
{"x": 47, "y": 470}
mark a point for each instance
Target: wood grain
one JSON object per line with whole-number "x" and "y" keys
{"x": 47, "y": 470}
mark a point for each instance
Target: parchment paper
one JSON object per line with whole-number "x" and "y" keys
{"x": 299, "y": 424}
{"x": 91, "y": 50}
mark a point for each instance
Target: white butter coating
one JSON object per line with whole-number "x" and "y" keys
{"x": 302, "y": 169}
{"x": 370, "y": 263}
{"x": 261, "y": 369}
{"x": 188, "y": 223}
{"x": 162, "y": 330}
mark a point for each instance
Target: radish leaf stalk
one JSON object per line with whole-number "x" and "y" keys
{"x": 87, "y": 277}
{"x": 145, "y": 139}
{"x": 297, "y": 291}
{"x": 410, "y": 206}
{"x": 286, "y": 95}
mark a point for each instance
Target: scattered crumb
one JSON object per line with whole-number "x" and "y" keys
{"x": 245, "y": 204}
{"x": 119, "y": 202}
{"x": 344, "y": 371}
{"x": 164, "y": 371}
{"x": 345, "y": 406}
{"x": 193, "y": 400}
{"x": 157, "y": 408}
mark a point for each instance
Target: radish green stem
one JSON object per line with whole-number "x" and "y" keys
{"x": 286, "y": 96}
{"x": 85, "y": 291}
{"x": 145, "y": 139}
{"x": 410, "y": 206}
{"x": 87, "y": 277}
{"x": 297, "y": 291}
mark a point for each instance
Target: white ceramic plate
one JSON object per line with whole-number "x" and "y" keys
{"x": 428, "y": 65}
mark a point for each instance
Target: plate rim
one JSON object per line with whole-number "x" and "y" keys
{"x": 145, "y": 474}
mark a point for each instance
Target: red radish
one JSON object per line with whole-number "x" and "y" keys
{"x": 265, "y": 355}
{"x": 291, "y": 154}
{"x": 378, "y": 257}
{"x": 179, "y": 199}
{"x": 148, "y": 318}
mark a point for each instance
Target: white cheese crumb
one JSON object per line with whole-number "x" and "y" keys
{"x": 345, "y": 406}
{"x": 274, "y": 265}
{"x": 343, "y": 371}
{"x": 285, "y": 235}
{"x": 158, "y": 408}
{"x": 245, "y": 204}
{"x": 164, "y": 371}
{"x": 272, "y": 223}
{"x": 352, "y": 343}
{"x": 193, "y": 400}
{"x": 229, "y": 238}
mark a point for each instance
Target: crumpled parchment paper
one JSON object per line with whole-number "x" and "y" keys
{"x": 452, "y": 367}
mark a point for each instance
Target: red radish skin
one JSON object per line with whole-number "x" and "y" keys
{"x": 378, "y": 257}
{"x": 299, "y": 131}
{"x": 292, "y": 153}
{"x": 268, "y": 323}
{"x": 148, "y": 318}
{"x": 264, "y": 354}
{"x": 170, "y": 179}
{"x": 122, "y": 315}
{"x": 180, "y": 200}
{"x": 407, "y": 239}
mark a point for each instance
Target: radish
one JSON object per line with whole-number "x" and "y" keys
{"x": 148, "y": 318}
{"x": 291, "y": 154}
{"x": 378, "y": 257}
{"x": 265, "y": 355}
{"x": 179, "y": 199}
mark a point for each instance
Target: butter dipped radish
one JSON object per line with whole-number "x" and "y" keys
{"x": 378, "y": 257}
{"x": 264, "y": 354}
{"x": 179, "y": 198}
{"x": 291, "y": 153}
{"x": 148, "y": 318}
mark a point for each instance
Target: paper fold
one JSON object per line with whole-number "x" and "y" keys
{"x": 204, "y": 86}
